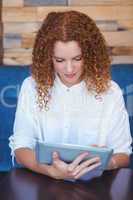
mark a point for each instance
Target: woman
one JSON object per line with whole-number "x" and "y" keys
{"x": 70, "y": 98}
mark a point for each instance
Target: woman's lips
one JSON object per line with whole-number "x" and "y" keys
{"x": 70, "y": 75}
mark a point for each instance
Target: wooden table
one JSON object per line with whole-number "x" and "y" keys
{"x": 21, "y": 184}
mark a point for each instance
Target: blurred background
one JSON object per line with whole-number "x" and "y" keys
{"x": 20, "y": 20}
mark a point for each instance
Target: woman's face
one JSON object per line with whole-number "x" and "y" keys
{"x": 68, "y": 62}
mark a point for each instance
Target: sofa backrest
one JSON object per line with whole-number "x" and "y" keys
{"x": 11, "y": 78}
{"x": 123, "y": 75}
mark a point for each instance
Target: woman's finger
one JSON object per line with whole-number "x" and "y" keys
{"x": 56, "y": 158}
{"x": 87, "y": 163}
{"x": 87, "y": 169}
{"x": 76, "y": 162}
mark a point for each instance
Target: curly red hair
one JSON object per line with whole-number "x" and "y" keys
{"x": 68, "y": 26}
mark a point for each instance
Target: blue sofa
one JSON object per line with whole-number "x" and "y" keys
{"x": 11, "y": 78}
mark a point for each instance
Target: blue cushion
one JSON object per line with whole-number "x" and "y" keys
{"x": 123, "y": 75}
{"x": 10, "y": 82}
{"x": 5, "y": 158}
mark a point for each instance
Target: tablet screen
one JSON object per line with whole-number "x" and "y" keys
{"x": 68, "y": 152}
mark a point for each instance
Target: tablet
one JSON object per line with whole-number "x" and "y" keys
{"x": 68, "y": 152}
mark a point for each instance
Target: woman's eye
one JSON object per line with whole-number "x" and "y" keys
{"x": 78, "y": 59}
{"x": 59, "y": 60}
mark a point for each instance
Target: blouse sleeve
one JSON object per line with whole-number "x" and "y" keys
{"x": 25, "y": 126}
{"x": 119, "y": 137}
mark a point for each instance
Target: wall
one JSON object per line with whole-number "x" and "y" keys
{"x": 1, "y": 35}
{"x": 22, "y": 18}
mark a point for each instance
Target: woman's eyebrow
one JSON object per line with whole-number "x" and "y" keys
{"x": 64, "y": 58}
{"x": 58, "y": 57}
{"x": 80, "y": 55}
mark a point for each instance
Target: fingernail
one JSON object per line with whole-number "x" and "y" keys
{"x": 55, "y": 154}
{"x": 98, "y": 158}
{"x": 86, "y": 153}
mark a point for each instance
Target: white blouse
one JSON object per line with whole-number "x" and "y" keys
{"x": 75, "y": 116}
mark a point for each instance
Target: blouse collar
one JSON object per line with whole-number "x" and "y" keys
{"x": 77, "y": 87}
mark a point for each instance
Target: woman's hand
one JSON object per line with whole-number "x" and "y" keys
{"x": 61, "y": 170}
{"x": 118, "y": 160}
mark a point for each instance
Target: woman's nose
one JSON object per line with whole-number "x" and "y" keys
{"x": 69, "y": 67}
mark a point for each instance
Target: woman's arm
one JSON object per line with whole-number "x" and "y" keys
{"x": 58, "y": 169}
{"x": 118, "y": 160}
{"x": 119, "y": 137}
{"x": 26, "y": 157}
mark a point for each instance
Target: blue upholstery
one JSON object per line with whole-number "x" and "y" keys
{"x": 10, "y": 82}
{"x": 123, "y": 75}
{"x": 11, "y": 78}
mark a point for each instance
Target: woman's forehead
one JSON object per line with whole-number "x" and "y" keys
{"x": 67, "y": 48}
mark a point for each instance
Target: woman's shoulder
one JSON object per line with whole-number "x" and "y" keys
{"x": 114, "y": 90}
{"x": 114, "y": 85}
{"x": 113, "y": 95}
{"x": 29, "y": 82}
{"x": 28, "y": 87}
